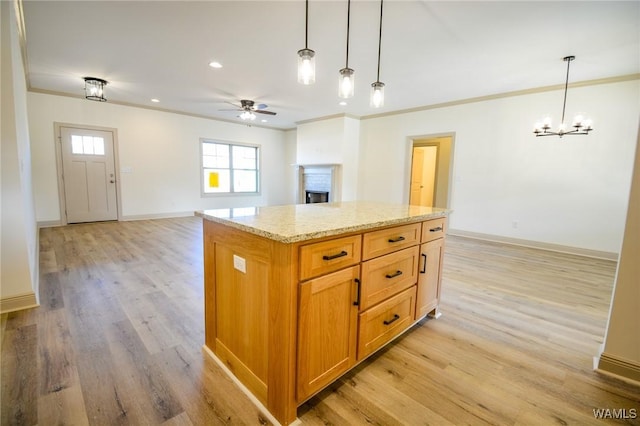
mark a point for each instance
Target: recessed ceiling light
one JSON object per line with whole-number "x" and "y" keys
{"x": 155, "y": 100}
{"x": 215, "y": 64}
{"x": 343, "y": 103}
{"x": 264, "y": 120}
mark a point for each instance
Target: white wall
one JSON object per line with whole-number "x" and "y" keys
{"x": 332, "y": 141}
{"x": 162, "y": 152}
{"x": 18, "y": 248}
{"x": 571, "y": 191}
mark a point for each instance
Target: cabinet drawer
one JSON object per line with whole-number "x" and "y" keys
{"x": 328, "y": 256}
{"x": 383, "y": 322}
{"x": 385, "y": 241}
{"x": 387, "y": 275}
{"x": 433, "y": 229}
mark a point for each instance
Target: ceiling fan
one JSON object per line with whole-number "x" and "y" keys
{"x": 249, "y": 108}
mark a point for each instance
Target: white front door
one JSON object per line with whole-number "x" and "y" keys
{"x": 88, "y": 173}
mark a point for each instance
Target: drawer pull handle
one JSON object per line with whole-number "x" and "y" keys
{"x": 395, "y": 274}
{"x": 396, "y": 240}
{"x": 396, "y": 317}
{"x": 335, "y": 256}
{"x": 357, "y": 302}
{"x": 437, "y": 229}
{"x": 424, "y": 266}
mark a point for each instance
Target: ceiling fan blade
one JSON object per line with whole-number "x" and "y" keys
{"x": 231, "y": 109}
{"x": 261, "y": 111}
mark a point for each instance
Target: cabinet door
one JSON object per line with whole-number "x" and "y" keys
{"x": 327, "y": 327}
{"x": 429, "y": 277}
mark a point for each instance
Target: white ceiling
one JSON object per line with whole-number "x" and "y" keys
{"x": 432, "y": 52}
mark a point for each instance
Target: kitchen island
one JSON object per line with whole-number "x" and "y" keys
{"x": 297, "y": 295}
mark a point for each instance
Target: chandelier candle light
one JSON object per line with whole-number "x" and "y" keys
{"x": 94, "y": 89}
{"x": 346, "y": 79}
{"x": 581, "y": 126}
{"x": 306, "y": 56}
{"x": 377, "y": 88}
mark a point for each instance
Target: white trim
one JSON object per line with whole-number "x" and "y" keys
{"x": 156, "y": 216}
{"x": 18, "y": 302}
{"x": 605, "y": 255}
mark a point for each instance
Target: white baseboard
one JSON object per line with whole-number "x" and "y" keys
{"x": 49, "y": 223}
{"x": 53, "y": 223}
{"x": 618, "y": 367}
{"x": 536, "y": 244}
{"x": 157, "y": 216}
{"x": 19, "y": 302}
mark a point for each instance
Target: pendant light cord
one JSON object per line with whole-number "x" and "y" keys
{"x": 379, "y": 42}
{"x": 348, "y": 20}
{"x": 306, "y": 24}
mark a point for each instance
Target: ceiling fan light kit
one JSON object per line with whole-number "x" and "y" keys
{"x": 94, "y": 89}
{"x": 580, "y": 124}
{"x": 306, "y": 56}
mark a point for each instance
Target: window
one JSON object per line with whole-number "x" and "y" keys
{"x": 229, "y": 168}
{"x": 87, "y": 145}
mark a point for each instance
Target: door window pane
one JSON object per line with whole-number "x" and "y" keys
{"x": 87, "y": 145}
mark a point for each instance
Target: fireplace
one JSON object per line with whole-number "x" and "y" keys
{"x": 316, "y": 197}
{"x": 318, "y": 183}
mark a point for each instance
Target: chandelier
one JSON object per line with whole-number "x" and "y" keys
{"x": 580, "y": 124}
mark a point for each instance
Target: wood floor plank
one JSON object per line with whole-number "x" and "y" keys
{"x": 118, "y": 337}
{"x": 19, "y": 376}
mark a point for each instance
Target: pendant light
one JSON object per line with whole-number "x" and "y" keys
{"x": 581, "y": 126}
{"x": 346, "y": 78}
{"x": 94, "y": 89}
{"x": 377, "y": 89}
{"x": 306, "y": 56}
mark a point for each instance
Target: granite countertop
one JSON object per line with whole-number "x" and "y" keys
{"x": 300, "y": 222}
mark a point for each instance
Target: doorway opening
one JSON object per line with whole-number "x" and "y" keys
{"x": 431, "y": 167}
{"x": 87, "y": 174}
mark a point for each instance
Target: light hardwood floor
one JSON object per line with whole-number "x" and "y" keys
{"x": 118, "y": 336}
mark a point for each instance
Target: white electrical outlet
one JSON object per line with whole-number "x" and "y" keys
{"x": 514, "y": 224}
{"x": 240, "y": 263}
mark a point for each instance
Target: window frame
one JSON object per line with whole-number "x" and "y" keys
{"x": 231, "y": 169}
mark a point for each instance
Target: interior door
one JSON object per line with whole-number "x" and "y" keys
{"x": 88, "y": 173}
{"x": 417, "y": 165}
{"x": 423, "y": 176}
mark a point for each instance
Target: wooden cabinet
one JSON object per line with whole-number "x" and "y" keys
{"x": 430, "y": 275}
{"x": 327, "y": 256}
{"x": 287, "y": 318}
{"x": 385, "y": 276}
{"x": 327, "y": 326}
{"x": 385, "y": 321}
{"x": 378, "y": 243}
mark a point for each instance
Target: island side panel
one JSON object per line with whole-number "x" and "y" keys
{"x": 237, "y": 304}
